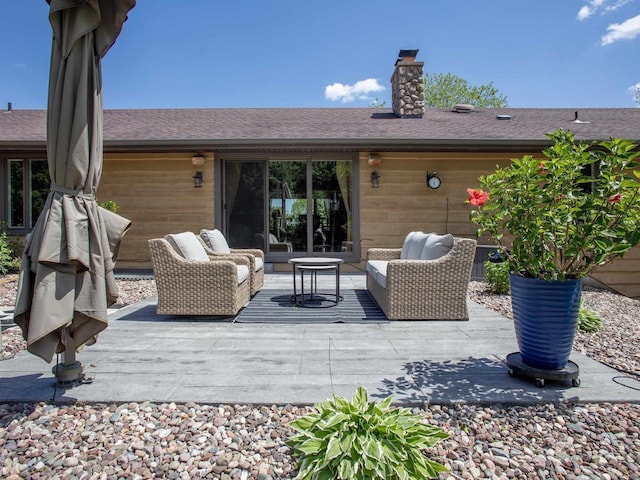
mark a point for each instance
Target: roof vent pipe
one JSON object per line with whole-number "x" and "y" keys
{"x": 463, "y": 108}
{"x": 576, "y": 116}
{"x": 9, "y": 107}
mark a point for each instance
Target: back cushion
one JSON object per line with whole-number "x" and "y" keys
{"x": 215, "y": 240}
{"x": 405, "y": 245}
{"x": 437, "y": 246}
{"x": 416, "y": 245}
{"x": 187, "y": 245}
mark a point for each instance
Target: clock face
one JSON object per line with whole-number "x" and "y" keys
{"x": 434, "y": 182}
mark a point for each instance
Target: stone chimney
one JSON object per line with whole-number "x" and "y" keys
{"x": 407, "y": 91}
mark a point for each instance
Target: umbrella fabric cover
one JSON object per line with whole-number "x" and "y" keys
{"x": 66, "y": 280}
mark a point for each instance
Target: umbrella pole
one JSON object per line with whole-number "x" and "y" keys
{"x": 69, "y": 372}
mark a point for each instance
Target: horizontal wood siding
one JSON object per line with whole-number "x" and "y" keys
{"x": 623, "y": 274}
{"x": 156, "y": 192}
{"x": 404, "y": 203}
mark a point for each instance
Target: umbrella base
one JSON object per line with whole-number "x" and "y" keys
{"x": 68, "y": 375}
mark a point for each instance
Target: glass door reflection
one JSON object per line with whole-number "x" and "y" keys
{"x": 287, "y": 206}
{"x": 332, "y": 225}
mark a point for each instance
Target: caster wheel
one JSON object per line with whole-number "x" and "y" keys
{"x": 540, "y": 382}
{"x": 512, "y": 373}
{"x": 575, "y": 382}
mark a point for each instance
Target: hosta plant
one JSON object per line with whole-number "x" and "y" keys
{"x": 589, "y": 321}
{"x": 360, "y": 440}
{"x": 565, "y": 215}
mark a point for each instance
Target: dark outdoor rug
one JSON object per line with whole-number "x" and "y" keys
{"x": 274, "y": 306}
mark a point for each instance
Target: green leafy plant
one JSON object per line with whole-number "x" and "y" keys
{"x": 566, "y": 215}
{"x": 497, "y": 277}
{"x": 108, "y": 205}
{"x": 361, "y": 440}
{"x": 9, "y": 260}
{"x": 6, "y": 254}
{"x": 589, "y": 321}
{"x": 444, "y": 90}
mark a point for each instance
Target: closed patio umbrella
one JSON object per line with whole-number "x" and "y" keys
{"x": 66, "y": 279}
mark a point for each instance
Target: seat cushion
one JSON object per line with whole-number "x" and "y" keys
{"x": 243, "y": 273}
{"x": 214, "y": 239}
{"x": 417, "y": 245}
{"x": 378, "y": 271}
{"x": 187, "y": 245}
{"x": 437, "y": 246}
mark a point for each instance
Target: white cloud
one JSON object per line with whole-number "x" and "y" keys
{"x": 615, "y": 5}
{"x": 627, "y": 30}
{"x": 634, "y": 90}
{"x": 348, "y": 93}
{"x": 593, "y": 6}
{"x": 584, "y": 13}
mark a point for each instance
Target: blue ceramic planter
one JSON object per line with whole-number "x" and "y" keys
{"x": 545, "y": 316}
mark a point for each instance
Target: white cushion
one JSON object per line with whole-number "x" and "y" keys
{"x": 214, "y": 239}
{"x": 437, "y": 246}
{"x": 187, "y": 245}
{"x": 405, "y": 245}
{"x": 259, "y": 264}
{"x": 273, "y": 238}
{"x": 243, "y": 273}
{"x": 417, "y": 245}
{"x": 378, "y": 271}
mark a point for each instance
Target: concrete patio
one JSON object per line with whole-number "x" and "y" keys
{"x": 150, "y": 358}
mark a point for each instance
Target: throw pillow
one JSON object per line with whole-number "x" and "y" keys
{"x": 405, "y": 245}
{"x": 417, "y": 244}
{"x": 215, "y": 240}
{"x": 437, "y": 246}
{"x": 187, "y": 245}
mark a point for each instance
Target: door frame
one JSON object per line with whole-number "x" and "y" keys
{"x": 282, "y": 257}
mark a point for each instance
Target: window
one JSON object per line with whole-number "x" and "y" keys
{"x": 28, "y": 187}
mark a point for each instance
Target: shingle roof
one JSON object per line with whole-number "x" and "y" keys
{"x": 226, "y": 127}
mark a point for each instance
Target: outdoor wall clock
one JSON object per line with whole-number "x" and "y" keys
{"x": 433, "y": 181}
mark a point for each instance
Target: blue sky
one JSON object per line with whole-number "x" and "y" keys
{"x": 295, "y": 53}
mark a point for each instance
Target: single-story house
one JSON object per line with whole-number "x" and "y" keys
{"x": 303, "y": 181}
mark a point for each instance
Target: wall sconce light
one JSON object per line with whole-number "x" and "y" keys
{"x": 374, "y": 160}
{"x": 375, "y": 179}
{"x": 433, "y": 181}
{"x": 197, "y": 180}
{"x": 198, "y": 160}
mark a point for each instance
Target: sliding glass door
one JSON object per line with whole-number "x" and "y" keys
{"x": 304, "y": 208}
{"x": 243, "y": 203}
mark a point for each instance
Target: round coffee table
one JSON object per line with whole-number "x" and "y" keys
{"x": 313, "y": 265}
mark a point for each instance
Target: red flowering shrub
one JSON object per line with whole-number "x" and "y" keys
{"x": 561, "y": 220}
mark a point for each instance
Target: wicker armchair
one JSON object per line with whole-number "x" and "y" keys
{"x": 190, "y": 287}
{"x": 256, "y": 262}
{"x": 422, "y": 289}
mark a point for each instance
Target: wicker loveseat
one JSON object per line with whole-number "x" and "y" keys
{"x": 207, "y": 286}
{"x": 421, "y": 289}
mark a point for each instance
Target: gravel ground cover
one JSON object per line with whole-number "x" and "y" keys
{"x": 184, "y": 441}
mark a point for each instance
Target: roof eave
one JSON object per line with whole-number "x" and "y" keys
{"x": 325, "y": 143}
{"x": 398, "y": 144}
